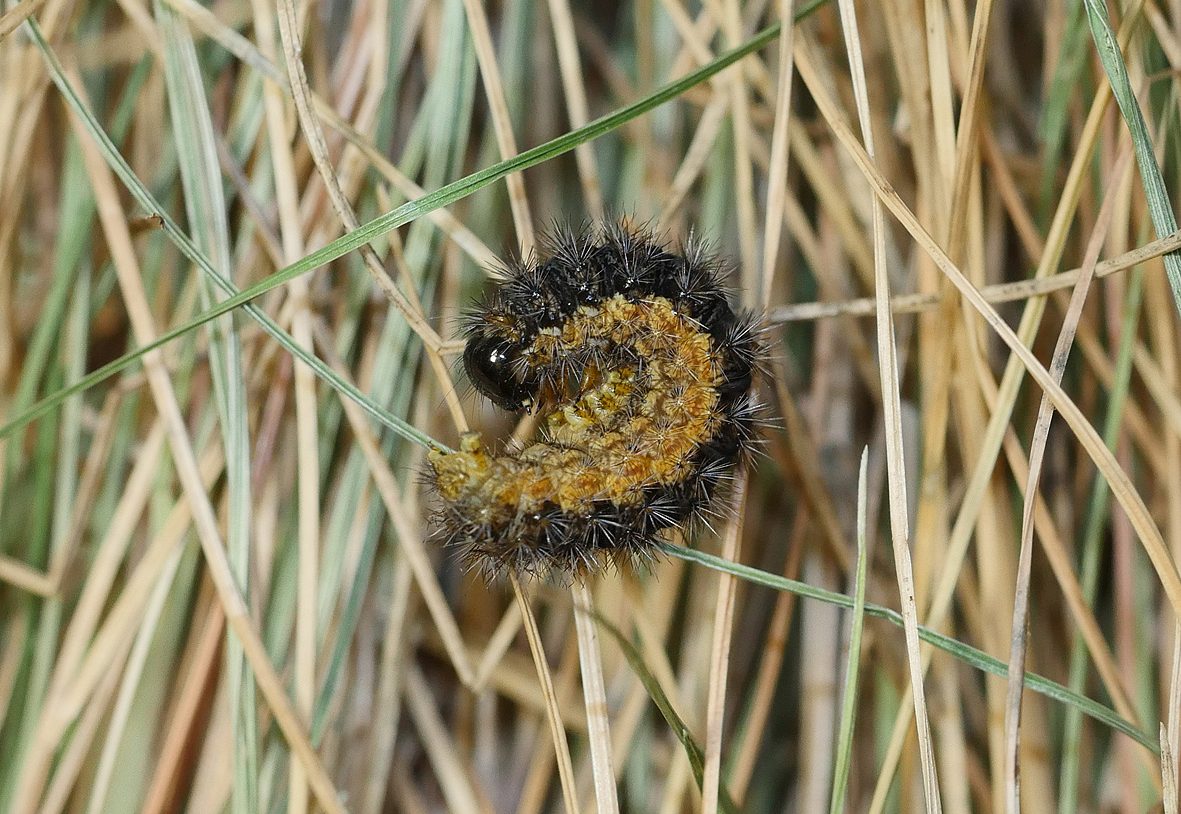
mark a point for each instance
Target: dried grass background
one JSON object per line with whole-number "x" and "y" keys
{"x": 217, "y": 587}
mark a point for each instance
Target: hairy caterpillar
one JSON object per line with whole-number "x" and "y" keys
{"x": 641, "y": 373}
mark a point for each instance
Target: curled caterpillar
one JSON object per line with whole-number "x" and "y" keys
{"x": 641, "y": 373}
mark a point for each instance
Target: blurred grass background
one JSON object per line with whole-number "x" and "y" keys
{"x": 235, "y": 241}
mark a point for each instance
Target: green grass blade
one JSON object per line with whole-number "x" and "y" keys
{"x": 965, "y": 653}
{"x": 1160, "y": 209}
{"x": 675, "y": 722}
{"x": 844, "y": 754}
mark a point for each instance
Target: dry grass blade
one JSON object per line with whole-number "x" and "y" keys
{"x": 719, "y": 658}
{"x": 694, "y": 160}
{"x": 498, "y": 643}
{"x": 1017, "y": 648}
{"x": 298, "y": 82}
{"x": 553, "y": 712}
{"x": 1168, "y": 773}
{"x": 162, "y": 792}
{"x": 457, "y": 788}
{"x": 393, "y": 668}
{"x": 505, "y": 140}
{"x": 16, "y": 573}
{"x": 11, "y": 19}
{"x": 131, "y": 677}
{"x": 891, "y": 416}
{"x": 594, "y": 694}
{"x": 731, "y": 25}
{"x": 576, "y": 104}
{"x": 1169, "y": 729}
{"x": 972, "y": 503}
{"x": 996, "y": 293}
{"x": 966, "y": 129}
{"x": 777, "y": 169}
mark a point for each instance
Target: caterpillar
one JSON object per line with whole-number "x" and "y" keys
{"x": 640, "y": 372}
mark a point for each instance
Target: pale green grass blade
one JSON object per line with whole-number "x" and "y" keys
{"x": 965, "y": 653}
{"x": 1160, "y": 209}
{"x": 205, "y": 205}
{"x": 848, "y": 718}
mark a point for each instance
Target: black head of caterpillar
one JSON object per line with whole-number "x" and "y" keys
{"x": 641, "y": 371}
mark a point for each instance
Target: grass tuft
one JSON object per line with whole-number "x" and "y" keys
{"x": 236, "y": 242}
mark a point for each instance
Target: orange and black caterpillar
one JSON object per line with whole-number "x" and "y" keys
{"x": 641, "y": 372}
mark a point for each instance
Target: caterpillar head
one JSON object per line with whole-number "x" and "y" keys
{"x": 491, "y": 364}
